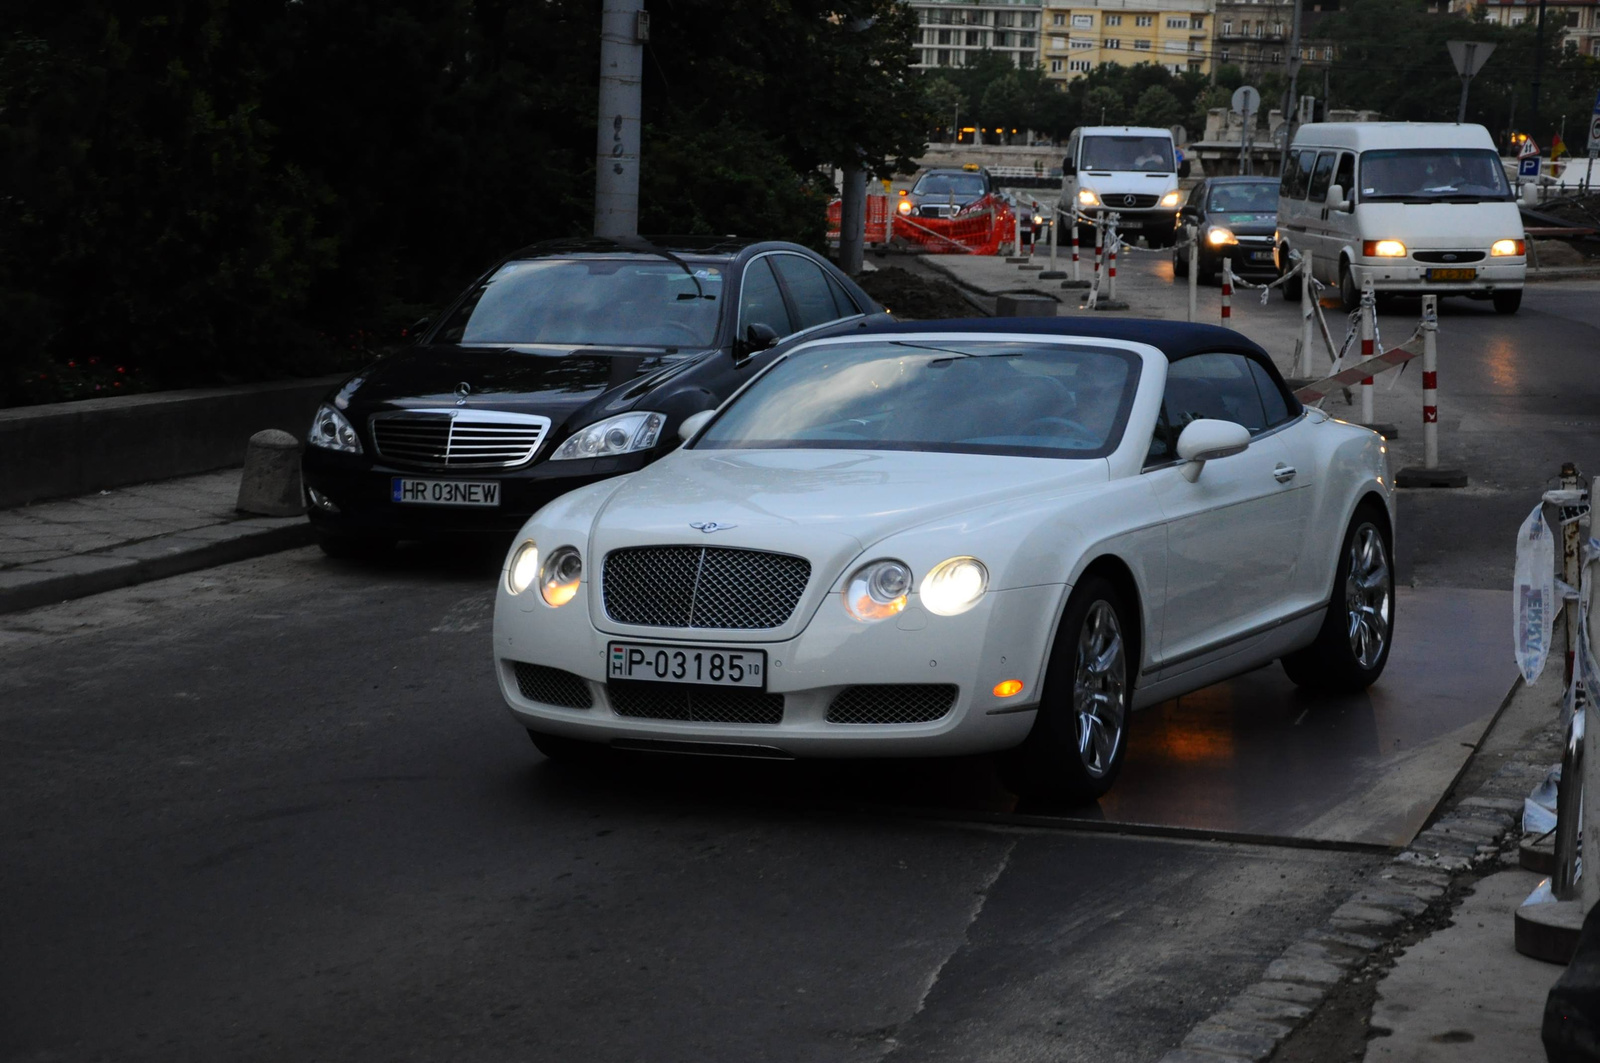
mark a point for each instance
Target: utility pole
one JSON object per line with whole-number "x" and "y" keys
{"x": 1538, "y": 70}
{"x": 624, "y": 27}
{"x": 853, "y": 195}
{"x": 1292, "y": 106}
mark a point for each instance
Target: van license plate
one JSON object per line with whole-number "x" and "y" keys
{"x": 706, "y": 665}
{"x": 1452, "y": 274}
{"x": 444, "y": 492}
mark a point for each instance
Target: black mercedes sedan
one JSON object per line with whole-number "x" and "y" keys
{"x": 565, "y": 363}
{"x": 1236, "y": 218}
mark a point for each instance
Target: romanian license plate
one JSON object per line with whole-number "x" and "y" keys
{"x": 705, "y": 665}
{"x": 1452, "y": 274}
{"x": 444, "y": 492}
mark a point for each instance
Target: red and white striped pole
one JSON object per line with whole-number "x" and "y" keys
{"x": 1074, "y": 221}
{"x": 1369, "y": 329}
{"x": 1227, "y": 290}
{"x": 1111, "y": 266}
{"x": 1430, "y": 381}
{"x": 1099, "y": 249}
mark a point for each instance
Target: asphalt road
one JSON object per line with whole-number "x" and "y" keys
{"x": 277, "y": 810}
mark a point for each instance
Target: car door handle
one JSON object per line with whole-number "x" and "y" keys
{"x": 1283, "y": 473}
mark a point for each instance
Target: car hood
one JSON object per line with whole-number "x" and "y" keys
{"x": 1452, "y": 226}
{"x": 823, "y": 504}
{"x": 549, "y": 380}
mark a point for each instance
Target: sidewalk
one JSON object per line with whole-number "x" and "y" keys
{"x": 52, "y": 551}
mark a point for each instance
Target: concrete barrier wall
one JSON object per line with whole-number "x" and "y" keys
{"x": 73, "y": 448}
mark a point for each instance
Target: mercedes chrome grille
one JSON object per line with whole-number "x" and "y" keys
{"x": 703, "y": 587}
{"x": 458, "y": 439}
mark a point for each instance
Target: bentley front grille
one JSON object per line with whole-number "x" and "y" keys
{"x": 448, "y": 439}
{"x": 703, "y": 587}
{"x": 552, "y": 686}
{"x": 697, "y": 704}
{"x": 892, "y": 703}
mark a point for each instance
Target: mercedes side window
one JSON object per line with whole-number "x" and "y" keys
{"x": 1322, "y": 176}
{"x": 760, "y": 301}
{"x": 808, "y": 288}
{"x": 1220, "y": 387}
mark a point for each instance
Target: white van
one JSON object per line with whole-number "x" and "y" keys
{"x": 1414, "y": 207}
{"x": 1128, "y": 170}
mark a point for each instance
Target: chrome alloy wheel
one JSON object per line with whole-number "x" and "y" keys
{"x": 1368, "y": 597}
{"x": 1100, "y": 688}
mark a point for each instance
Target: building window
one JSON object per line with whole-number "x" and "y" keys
{"x": 1078, "y": 66}
{"x": 1113, "y": 20}
{"x": 1002, "y": 39}
{"x": 1058, "y": 19}
{"x": 944, "y": 36}
{"x": 1223, "y": 55}
{"x": 1055, "y": 66}
{"x": 1144, "y": 20}
{"x": 1111, "y": 44}
{"x": 1079, "y": 45}
{"x": 1227, "y": 27}
{"x": 1005, "y": 18}
{"x": 1327, "y": 53}
{"x": 1197, "y": 22}
{"x": 1177, "y": 23}
{"x": 1083, "y": 22}
{"x": 1027, "y": 20}
{"x": 944, "y": 57}
{"x": 1024, "y": 40}
{"x": 1141, "y": 46}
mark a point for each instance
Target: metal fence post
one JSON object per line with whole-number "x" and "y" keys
{"x": 1429, "y": 474}
{"x": 1194, "y": 271}
{"x": 1369, "y": 310}
{"x": 1308, "y": 295}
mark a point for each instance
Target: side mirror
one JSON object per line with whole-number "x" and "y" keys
{"x": 757, "y": 337}
{"x": 1068, "y": 167}
{"x": 418, "y": 327}
{"x": 1207, "y": 440}
{"x": 1184, "y": 168}
{"x": 693, "y": 423}
{"x": 1336, "y": 200}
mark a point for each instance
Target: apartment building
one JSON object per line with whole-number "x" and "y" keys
{"x": 1079, "y": 35}
{"x": 950, "y": 31}
{"x": 1256, "y": 35}
{"x": 1577, "y": 22}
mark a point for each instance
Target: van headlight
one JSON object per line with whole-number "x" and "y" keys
{"x": 622, "y": 434}
{"x": 954, "y": 586}
{"x": 524, "y": 567}
{"x": 1171, "y": 199}
{"x": 877, "y": 590}
{"x": 1087, "y": 198}
{"x": 331, "y": 430}
{"x": 1383, "y": 249}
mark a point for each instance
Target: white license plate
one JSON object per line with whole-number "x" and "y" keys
{"x": 444, "y": 492}
{"x": 1261, "y": 256}
{"x": 705, "y": 665}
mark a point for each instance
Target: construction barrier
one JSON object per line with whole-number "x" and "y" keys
{"x": 980, "y": 228}
{"x": 878, "y": 228}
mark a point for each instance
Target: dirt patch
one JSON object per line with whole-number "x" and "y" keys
{"x": 909, "y": 296}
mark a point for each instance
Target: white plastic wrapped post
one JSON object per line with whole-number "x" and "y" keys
{"x": 1308, "y": 295}
{"x": 1192, "y": 234}
{"x": 1533, "y": 599}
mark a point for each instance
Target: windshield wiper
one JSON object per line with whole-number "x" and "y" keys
{"x": 651, "y": 249}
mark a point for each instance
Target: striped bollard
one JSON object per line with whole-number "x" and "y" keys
{"x": 1227, "y": 290}
{"x": 1111, "y": 265}
{"x": 1075, "y": 276}
{"x": 1099, "y": 250}
{"x": 1430, "y": 475}
{"x": 1369, "y": 309}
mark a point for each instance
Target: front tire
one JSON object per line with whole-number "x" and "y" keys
{"x": 1508, "y": 302}
{"x": 1349, "y": 294}
{"x": 1080, "y": 735}
{"x": 1353, "y": 646}
{"x": 1291, "y": 287}
{"x": 1180, "y": 263}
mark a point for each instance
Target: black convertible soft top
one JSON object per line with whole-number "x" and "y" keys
{"x": 1175, "y": 339}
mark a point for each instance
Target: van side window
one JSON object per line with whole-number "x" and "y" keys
{"x": 1322, "y": 176}
{"x": 1306, "y": 161}
{"x": 1345, "y": 176}
{"x": 1291, "y": 174}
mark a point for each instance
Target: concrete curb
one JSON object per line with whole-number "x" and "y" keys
{"x": 80, "y": 575}
{"x": 1254, "y": 1024}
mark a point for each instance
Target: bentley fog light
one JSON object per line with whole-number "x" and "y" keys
{"x": 954, "y": 586}
{"x": 558, "y": 580}
{"x": 524, "y": 567}
{"x": 622, "y": 434}
{"x": 878, "y": 590}
{"x": 331, "y": 430}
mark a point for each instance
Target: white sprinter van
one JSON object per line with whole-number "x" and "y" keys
{"x": 1129, "y": 170}
{"x": 1414, "y": 207}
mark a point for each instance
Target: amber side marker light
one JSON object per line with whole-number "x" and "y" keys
{"x": 1008, "y": 688}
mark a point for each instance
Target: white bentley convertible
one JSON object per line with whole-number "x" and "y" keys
{"x": 957, "y": 537}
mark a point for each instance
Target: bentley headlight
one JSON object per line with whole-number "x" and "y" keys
{"x": 622, "y": 434}
{"x": 331, "y": 430}
{"x": 954, "y": 586}
{"x": 878, "y": 590}
{"x": 524, "y": 567}
{"x": 558, "y": 580}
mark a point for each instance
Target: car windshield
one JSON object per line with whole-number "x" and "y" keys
{"x": 1151, "y": 154}
{"x": 965, "y": 396}
{"x": 1246, "y": 197}
{"x": 1433, "y": 173}
{"x": 603, "y": 302}
{"x": 960, "y": 185}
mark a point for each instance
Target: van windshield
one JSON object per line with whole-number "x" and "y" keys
{"x": 1429, "y": 175}
{"x": 1148, "y": 154}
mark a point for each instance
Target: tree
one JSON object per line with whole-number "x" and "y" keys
{"x": 1004, "y": 105}
{"x": 944, "y": 100}
{"x": 1103, "y": 106}
{"x": 1158, "y": 107}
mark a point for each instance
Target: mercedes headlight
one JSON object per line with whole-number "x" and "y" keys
{"x": 1087, "y": 198}
{"x": 954, "y": 586}
{"x": 558, "y": 579}
{"x": 1171, "y": 199}
{"x": 905, "y": 206}
{"x": 331, "y": 430}
{"x": 622, "y": 434}
{"x": 524, "y": 567}
{"x": 878, "y": 590}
